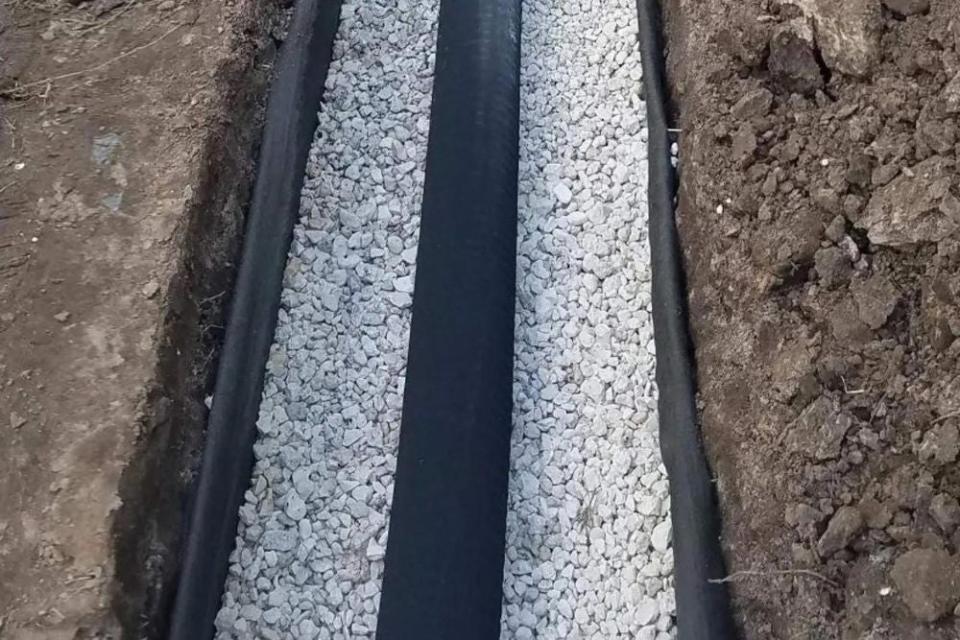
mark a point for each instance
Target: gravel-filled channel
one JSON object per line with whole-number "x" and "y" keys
{"x": 310, "y": 543}
{"x": 588, "y": 533}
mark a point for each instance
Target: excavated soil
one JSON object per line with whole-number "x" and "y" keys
{"x": 819, "y": 211}
{"x": 128, "y": 132}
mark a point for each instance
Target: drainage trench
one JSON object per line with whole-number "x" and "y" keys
{"x": 587, "y": 548}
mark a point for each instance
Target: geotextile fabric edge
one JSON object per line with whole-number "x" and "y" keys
{"x": 703, "y": 603}
{"x": 291, "y": 117}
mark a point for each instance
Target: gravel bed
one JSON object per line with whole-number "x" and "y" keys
{"x": 310, "y": 544}
{"x": 588, "y": 533}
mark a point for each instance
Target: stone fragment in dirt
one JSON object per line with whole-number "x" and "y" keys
{"x": 150, "y": 289}
{"x": 819, "y": 430}
{"x": 945, "y": 510}
{"x": 792, "y": 361}
{"x": 753, "y": 104}
{"x": 792, "y": 62}
{"x": 831, "y": 434}
{"x": 63, "y": 316}
{"x": 848, "y": 33}
{"x": 951, "y": 95}
{"x": 843, "y": 527}
{"x": 852, "y": 205}
{"x": 16, "y": 420}
{"x": 938, "y": 309}
{"x": 915, "y": 207}
{"x": 876, "y": 299}
{"x": 884, "y": 174}
{"x": 907, "y": 7}
{"x": 936, "y": 132}
{"x": 744, "y": 144}
{"x": 928, "y": 581}
{"x": 949, "y": 403}
{"x": 836, "y": 230}
{"x": 833, "y": 266}
{"x": 105, "y": 148}
{"x": 940, "y": 444}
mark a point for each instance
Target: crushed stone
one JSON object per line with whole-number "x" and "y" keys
{"x": 309, "y": 556}
{"x": 588, "y": 533}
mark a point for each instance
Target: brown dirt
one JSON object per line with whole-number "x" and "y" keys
{"x": 819, "y": 210}
{"x": 128, "y": 132}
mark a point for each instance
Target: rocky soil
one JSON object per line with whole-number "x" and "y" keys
{"x": 820, "y": 216}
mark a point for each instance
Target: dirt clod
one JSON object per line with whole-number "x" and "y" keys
{"x": 744, "y": 144}
{"x": 792, "y": 62}
{"x": 836, "y": 229}
{"x": 833, "y": 266}
{"x": 845, "y": 524}
{"x": 876, "y": 515}
{"x": 951, "y": 95}
{"x": 945, "y": 509}
{"x": 928, "y": 581}
{"x": 819, "y": 431}
{"x": 754, "y": 104}
{"x": 941, "y": 444}
{"x": 917, "y": 206}
{"x": 876, "y": 299}
{"x": 940, "y": 317}
{"x": 907, "y": 7}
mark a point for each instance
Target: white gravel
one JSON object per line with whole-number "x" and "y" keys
{"x": 310, "y": 544}
{"x": 588, "y": 534}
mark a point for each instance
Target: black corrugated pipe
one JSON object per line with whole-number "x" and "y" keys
{"x": 703, "y": 607}
{"x": 291, "y": 118}
{"x": 443, "y": 578}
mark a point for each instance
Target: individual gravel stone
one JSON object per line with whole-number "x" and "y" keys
{"x": 588, "y": 535}
{"x": 310, "y": 544}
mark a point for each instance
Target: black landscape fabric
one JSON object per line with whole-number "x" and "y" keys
{"x": 443, "y": 577}
{"x": 703, "y": 604}
{"x": 291, "y": 118}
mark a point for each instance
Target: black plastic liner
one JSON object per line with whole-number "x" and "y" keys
{"x": 291, "y": 119}
{"x": 703, "y": 607}
{"x": 444, "y": 564}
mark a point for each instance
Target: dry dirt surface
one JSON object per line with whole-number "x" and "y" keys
{"x": 128, "y": 130}
{"x": 819, "y": 211}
